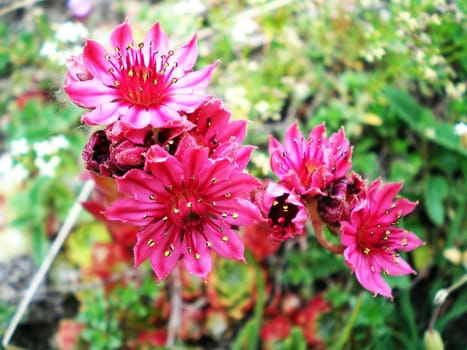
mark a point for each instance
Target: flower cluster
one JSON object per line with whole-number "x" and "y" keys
{"x": 316, "y": 183}
{"x": 179, "y": 166}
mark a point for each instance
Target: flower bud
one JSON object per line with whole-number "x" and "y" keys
{"x": 432, "y": 340}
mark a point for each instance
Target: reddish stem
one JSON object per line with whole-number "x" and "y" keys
{"x": 312, "y": 210}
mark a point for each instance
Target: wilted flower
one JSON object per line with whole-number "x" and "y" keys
{"x": 185, "y": 207}
{"x": 282, "y": 210}
{"x": 141, "y": 84}
{"x": 342, "y": 196}
{"x": 309, "y": 165}
{"x": 371, "y": 238}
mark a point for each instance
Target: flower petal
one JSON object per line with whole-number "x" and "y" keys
{"x": 90, "y": 93}
{"x": 166, "y": 255}
{"x": 103, "y": 114}
{"x": 134, "y": 212}
{"x": 94, "y": 58}
{"x": 137, "y": 117}
{"x": 187, "y": 55}
{"x": 121, "y": 37}
{"x": 155, "y": 39}
{"x": 198, "y": 259}
{"x": 141, "y": 186}
{"x": 198, "y": 80}
{"x": 224, "y": 241}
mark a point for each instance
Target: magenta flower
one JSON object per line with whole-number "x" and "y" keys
{"x": 283, "y": 211}
{"x": 310, "y": 165}
{"x": 223, "y": 137}
{"x": 186, "y": 207}
{"x": 371, "y": 239}
{"x": 140, "y": 84}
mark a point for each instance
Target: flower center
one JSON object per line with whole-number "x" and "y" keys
{"x": 142, "y": 77}
{"x": 281, "y": 213}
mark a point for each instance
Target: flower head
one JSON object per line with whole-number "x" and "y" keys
{"x": 310, "y": 165}
{"x": 140, "y": 84}
{"x": 282, "y": 210}
{"x": 186, "y": 207}
{"x": 372, "y": 240}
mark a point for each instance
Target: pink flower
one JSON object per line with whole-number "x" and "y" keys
{"x": 371, "y": 238}
{"x": 186, "y": 207}
{"x": 282, "y": 210}
{"x": 223, "y": 137}
{"x": 141, "y": 84}
{"x": 310, "y": 165}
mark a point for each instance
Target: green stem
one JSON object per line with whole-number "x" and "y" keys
{"x": 345, "y": 335}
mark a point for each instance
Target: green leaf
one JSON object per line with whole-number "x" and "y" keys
{"x": 436, "y": 190}
{"x": 422, "y": 121}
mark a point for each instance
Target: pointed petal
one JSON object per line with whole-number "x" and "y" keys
{"x": 370, "y": 277}
{"x": 141, "y": 186}
{"x": 238, "y": 184}
{"x": 186, "y": 55}
{"x": 184, "y": 102}
{"x": 137, "y": 117}
{"x": 226, "y": 243}
{"x": 294, "y": 144}
{"x": 162, "y": 114}
{"x": 155, "y": 39}
{"x": 197, "y": 80}
{"x": 167, "y": 254}
{"x": 134, "y": 212}
{"x": 240, "y": 212}
{"x": 198, "y": 259}
{"x": 94, "y": 60}
{"x": 90, "y": 93}
{"x": 146, "y": 241}
{"x": 121, "y": 37}
{"x": 103, "y": 114}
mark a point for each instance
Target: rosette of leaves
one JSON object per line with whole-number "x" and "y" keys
{"x": 232, "y": 287}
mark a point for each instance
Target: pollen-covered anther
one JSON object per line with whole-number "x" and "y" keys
{"x": 225, "y": 238}
{"x": 387, "y": 232}
{"x": 197, "y": 256}
{"x": 224, "y": 215}
{"x": 152, "y": 197}
{"x": 165, "y": 218}
{"x": 189, "y": 205}
{"x": 172, "y": 248}
{"x": 208, "y": 244}
{"x": 213, "y": 180}
{"x": 174, "y": 80}
{"x": 167, "y": 253}
{"x": 107, "y": 57}
{"x": 404, "y": 242}
{"x": 367, "y": 250}
{"x": 116, "y": 83}
{"x": 141, "y": 45}
{"x": 176, "y": 210}
{"x": 227, "y": 195}
{"x": 151, "y": 243}
{"x": 235, "y": 215}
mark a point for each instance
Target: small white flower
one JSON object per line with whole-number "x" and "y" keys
{"x": 71, "y": 32}
{"x": 49, "y": 49}
{"x": 19, "y": 147}
{"x": 42, "y": 148}
{"x": 455, "y": 91}
{"x": 47, "y": 168}
{"x": 59, "y": 142}
{"x": 460, "y": 128}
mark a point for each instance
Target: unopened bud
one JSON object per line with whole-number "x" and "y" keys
{"x": 432, "y": 340}
{"x": 440, "y": 296}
